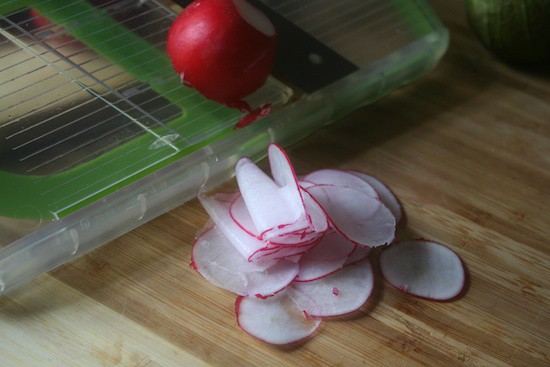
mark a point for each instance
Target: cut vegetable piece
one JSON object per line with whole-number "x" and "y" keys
{"x": 316, "y": 215}
{"x": 273, "y": 209}
{"x": 242, "y": 217}
{"x": 358, "y": 254}
{"x": 327, "y": 257}
{"x": 360, "y": 218}
{"x": 385, "y": 194}
{"x": 223, "y": 266}
{"x": 217, "y": 207}
{"x": 337, "y": 294}
{"x": 275, "y": 320}
{"x": 298, "y": 239}
{"x": 423, "y": 268}
{"x": 341, "y": 178}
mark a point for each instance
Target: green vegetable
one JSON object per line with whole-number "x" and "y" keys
{"x": 516, "y": 31}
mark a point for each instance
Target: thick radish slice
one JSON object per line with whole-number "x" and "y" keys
{"x": 337, "y": 294}
{"x": 360, "y": 218}
{"x": 384, "y": 194}
{"x": 358, "y": 254}
{"x": 275, "y": 320}
{"x": 341, "y": 178}
{"x": 223, "y": 266}
{"x": 217, "y": 207}
{"x": 327, "y": 257}
{"x": 273, "y": 209}
{"x": 423, "y": 268}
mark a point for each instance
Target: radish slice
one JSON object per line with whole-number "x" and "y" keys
{"x": 358, "y": 254}
{"x": 341, "y": 178}
{"x": 218, "y": 208}
{"x": 327, "y": 257}
{"x": 360, "y": 218}
{"x": 223, "y": 266}
{"x": 273, "y": 209}
{"x": 316, "y": 215}
{"x": 242, "y": 218}
{"x": 337, "y": 294}
{"x": 384, "y": 193}
{"x": 423, "y": 268}
{"x": 275, "y": 320}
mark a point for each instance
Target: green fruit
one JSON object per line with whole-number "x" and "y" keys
{"x": 516, "y": 31}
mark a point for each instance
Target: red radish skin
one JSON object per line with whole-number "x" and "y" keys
{"x": 423, "y": 268}
{"x": 225, "y": 49}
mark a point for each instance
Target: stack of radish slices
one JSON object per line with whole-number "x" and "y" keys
{"x": 296, "y": 250}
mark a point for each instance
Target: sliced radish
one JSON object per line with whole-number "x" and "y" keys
{"x": 223, "y": 266}
{"x": 423, "y": 268}
{"x": 341, "y": 178}
{"x": 358, "y": 254}
{"x": 327, "y": 257}
{"x": 360, "y": 218}
{"x": 217, "y": 207}
{"x": 275, "y": 210}
{"x": 275, "y": 320}
{"x": 384, "y": 193}
{"x": 242, "y": 217}
{"x": 337, "y": 294}
{"x": 316, "y": 215}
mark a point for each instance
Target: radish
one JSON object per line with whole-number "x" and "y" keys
{"x": 225, "y": 49}
{"x": 341, "y": 178}
{"x": 218, "y": 208}
{"x": 296, "y": 251}
{"x": 338, "y": 294}
{"x": 275, "y": 320}
{"x": 223, "y": 266}
{"x": 327, "y": 257}
{"x": 423, "y": 268}
{"x": 360, "y": 218}
{"x": 358, "y": 254}
{"x": 384, "y": 193}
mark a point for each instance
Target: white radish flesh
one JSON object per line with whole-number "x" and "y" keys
{"x": 223, "y": 266}
{"x": 327, "y": 257}
{"x": 341, "y": 178}
{"x": 358, "y": 254}
{"x": 218, "y": 208}
{"x": 275, "y": 320}
{"x": 423, "y": 268}
{"x": 273, "y": 209}
{"x": 384, "y": 193}
{"x": 337, "y": 294}
{"x": 360, "y": 218}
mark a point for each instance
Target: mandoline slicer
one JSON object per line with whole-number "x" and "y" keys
{"x": 98, "y": 136}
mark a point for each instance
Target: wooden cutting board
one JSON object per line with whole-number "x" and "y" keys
{"x": 467, "y": 151}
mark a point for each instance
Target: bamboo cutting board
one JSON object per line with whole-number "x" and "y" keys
{"x": 467, "y": 151}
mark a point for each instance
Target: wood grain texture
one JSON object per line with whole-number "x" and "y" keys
{"x": 466, "y": 149}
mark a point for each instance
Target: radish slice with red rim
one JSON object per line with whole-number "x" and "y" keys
{"x": 384, "y": 193}
{"x": 360, "y": 218}
{"x": 316, "y": 215}
{"x": 337, "y": 294}
{"x": 424, "y": 269}
{"x": 242, "y": 218}
{"x": 341, "y": 178}
{"x": 217, "y": 260}
{"x": 217, "y": 207}
{"x": 327, "y": 257}
{"x": 275, "y": 320}
{"x": 274, "y": 209}
{"x": 358, "y": 254}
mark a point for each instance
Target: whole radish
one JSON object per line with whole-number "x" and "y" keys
{"x": 225, "y": 49}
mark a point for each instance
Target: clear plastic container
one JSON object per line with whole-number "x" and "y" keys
{"x": 98, "y": 136}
